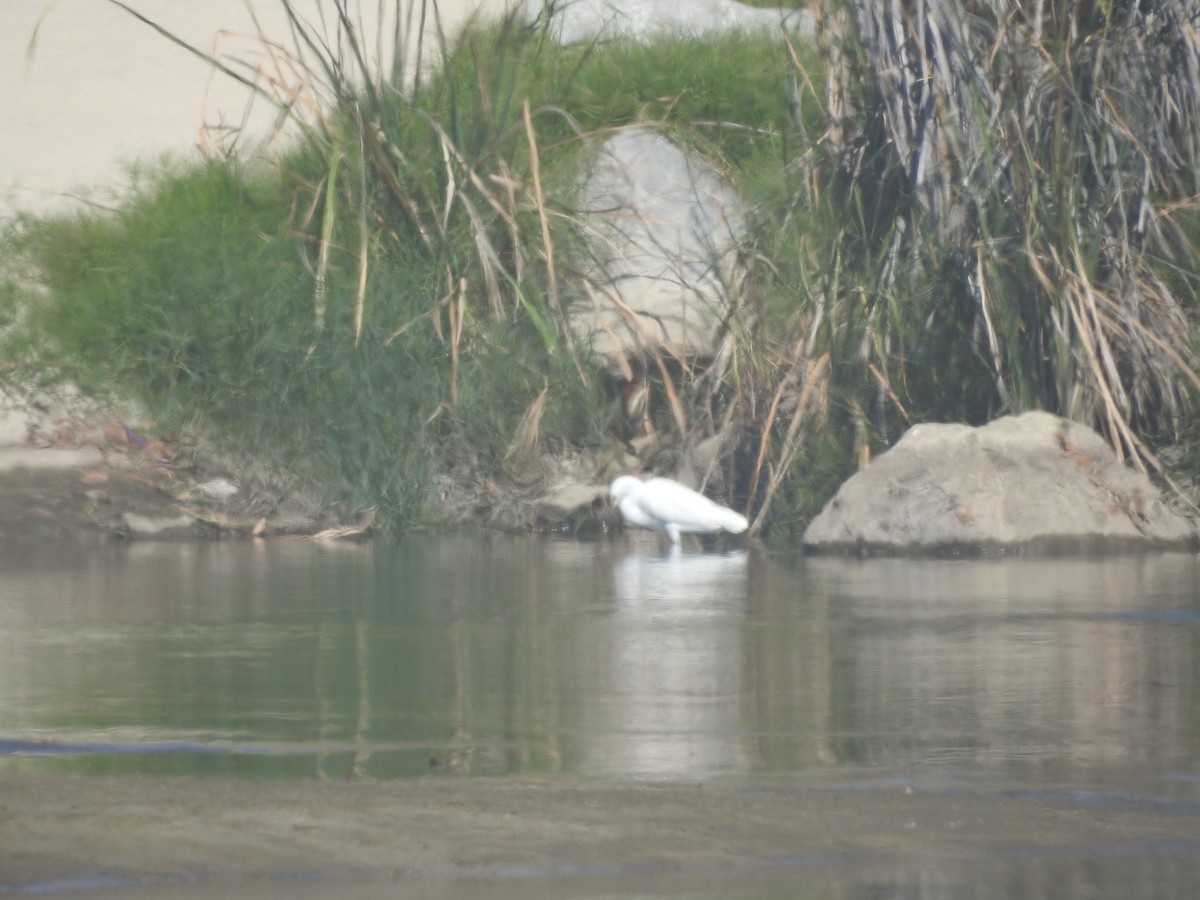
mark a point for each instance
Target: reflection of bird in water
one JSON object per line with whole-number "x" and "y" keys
{"x": 663, "y": 505}
{"x": 674, "y": 587}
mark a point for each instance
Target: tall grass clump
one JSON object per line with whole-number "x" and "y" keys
{"x": 384, "y": 300}
{"x": 372, "y": 299}
{"x": 1020, "y": 188}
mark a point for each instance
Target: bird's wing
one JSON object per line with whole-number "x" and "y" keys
{"x": 669, "y": 501}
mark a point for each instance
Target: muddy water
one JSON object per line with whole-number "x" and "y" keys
{"x": 1074, "y": 683}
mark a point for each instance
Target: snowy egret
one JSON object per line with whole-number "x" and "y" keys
{"x": 661, "y": 504}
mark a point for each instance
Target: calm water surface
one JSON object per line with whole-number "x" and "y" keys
{"x": 494, "y": 655}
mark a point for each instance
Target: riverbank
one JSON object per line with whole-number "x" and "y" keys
{"x": 210, "y": 837}
{"x": 80, "y": 470}
{"x": 73, "y": 469}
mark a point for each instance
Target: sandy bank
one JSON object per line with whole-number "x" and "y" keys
{"x": 216, "y": 833}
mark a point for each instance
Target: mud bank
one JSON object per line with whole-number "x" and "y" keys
{"x": 214, "y": 834}
{"x": 78, "y": 474}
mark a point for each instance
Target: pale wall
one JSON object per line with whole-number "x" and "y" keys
{"x": 101, "y": 89}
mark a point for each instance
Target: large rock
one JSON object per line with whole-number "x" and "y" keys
{"x": 662, "y": 223}
{"x": 573, "y": 21}
{"x": 1032, "y": 481}
{"x": 663, "y": 228}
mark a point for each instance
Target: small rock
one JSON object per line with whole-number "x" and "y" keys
{"x": 217, "y": 488}
{"x": 158, "y": 526}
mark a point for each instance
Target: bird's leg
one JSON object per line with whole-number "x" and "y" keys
{"x": 673, "y": 531}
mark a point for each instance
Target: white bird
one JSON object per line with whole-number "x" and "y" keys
{"x": 667, "y": 506}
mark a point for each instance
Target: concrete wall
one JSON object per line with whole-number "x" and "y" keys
{"x": 98, "y": 88}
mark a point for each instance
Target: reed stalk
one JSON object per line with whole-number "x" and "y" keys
{"x": 1025, "y": 179}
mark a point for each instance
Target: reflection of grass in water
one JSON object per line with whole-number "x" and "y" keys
{"x": 413, "y": 764}
{"x": 344, "y": 674}
{"x": 492, "y": 756}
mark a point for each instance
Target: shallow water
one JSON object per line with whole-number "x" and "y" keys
{"x": 1074, "y": 681}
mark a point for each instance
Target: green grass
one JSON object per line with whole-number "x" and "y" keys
{"x": 200, "y": 294}
{"x": 384, "y": 304}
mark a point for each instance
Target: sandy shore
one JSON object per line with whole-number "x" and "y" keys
{"x": 211, "y": 835}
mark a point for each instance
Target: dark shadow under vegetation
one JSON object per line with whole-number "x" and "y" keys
{"x": 958, "y": 211}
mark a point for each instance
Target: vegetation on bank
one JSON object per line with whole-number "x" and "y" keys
{"x": 958, "y": 212}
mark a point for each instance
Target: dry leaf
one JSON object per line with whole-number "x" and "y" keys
{"x": 115, "y": 434}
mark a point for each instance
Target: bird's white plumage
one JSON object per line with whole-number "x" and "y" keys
{"x": 661, "y": 504}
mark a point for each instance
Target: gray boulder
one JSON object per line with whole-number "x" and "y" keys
{"x": 1033, "y": 481}
{"x": 574, "y": 21}
{"x": 663, "y": 227}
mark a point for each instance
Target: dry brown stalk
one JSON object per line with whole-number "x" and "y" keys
{"x": 815, "y": 383}
{"x": 528, "y": 431}
{"x": 540, "y": 202}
